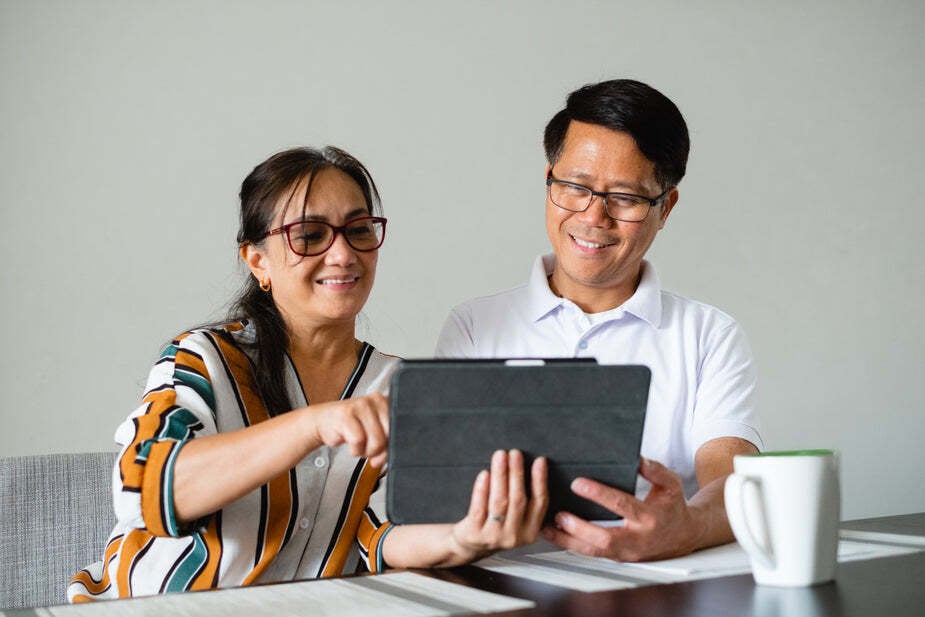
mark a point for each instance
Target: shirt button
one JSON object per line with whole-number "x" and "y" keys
{"x": 304, "y": 523}
{"x": 320, "y": 462}
{"x": 583, "y": 345}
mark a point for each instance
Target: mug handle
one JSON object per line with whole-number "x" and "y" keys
{"x": 734, "y": 493}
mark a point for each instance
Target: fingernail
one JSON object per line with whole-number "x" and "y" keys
{"x": 562, "y": 520}
{"x": 579, "y": 486}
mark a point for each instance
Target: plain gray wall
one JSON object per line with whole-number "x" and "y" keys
{"x": 127, "y": 127}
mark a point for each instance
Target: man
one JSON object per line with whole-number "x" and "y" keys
{"x": 616, "y": 154}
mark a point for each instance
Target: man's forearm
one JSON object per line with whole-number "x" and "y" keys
{"x": 708, "y": 510}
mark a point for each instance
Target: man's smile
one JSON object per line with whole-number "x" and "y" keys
{"x": 589, "y": 244}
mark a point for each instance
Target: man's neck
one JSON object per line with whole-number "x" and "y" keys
{"x": 590, "y": 298}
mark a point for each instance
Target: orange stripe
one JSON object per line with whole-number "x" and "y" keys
{"x": 365, "y": 531}
{"x": 187, "y": 358}
{"x": 152, "y": 506}
{"x": 97, "y": 587}
{"x": 148, "y": 425}
{"x": 374, "y": 547}
{"x": 208, "y": 578}
{"x": 134, "y": 541}
{"x": 348, "y": 533}
{"x": 369, "y": 537}
{"x": 279, "y": 509}
{"x": 243, "y": 377}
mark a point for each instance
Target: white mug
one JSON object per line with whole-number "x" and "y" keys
{"x": 784, "y": 509}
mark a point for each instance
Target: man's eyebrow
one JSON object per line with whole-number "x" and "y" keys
{"x": 582, "y": 178}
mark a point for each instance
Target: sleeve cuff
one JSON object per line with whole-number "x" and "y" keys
{"x": 727, "y": 428}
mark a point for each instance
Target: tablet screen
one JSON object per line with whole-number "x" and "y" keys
{"x": 447, "y": 417}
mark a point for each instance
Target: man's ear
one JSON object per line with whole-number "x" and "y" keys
{"x": 256, "y": 261}
{"x": 668, "y": 205}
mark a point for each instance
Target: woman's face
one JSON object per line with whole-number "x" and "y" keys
{"x": 321, "y": 290}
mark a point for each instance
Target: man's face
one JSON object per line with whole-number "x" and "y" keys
{"x": 598, "y": 258}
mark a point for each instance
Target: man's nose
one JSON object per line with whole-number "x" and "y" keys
{"x": 596, "y": 212}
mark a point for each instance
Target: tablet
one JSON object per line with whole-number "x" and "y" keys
{"x": 447, "y": 417}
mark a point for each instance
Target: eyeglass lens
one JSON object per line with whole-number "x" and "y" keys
{"x": 309, "y": 238}
{"x": 622, "y": 207}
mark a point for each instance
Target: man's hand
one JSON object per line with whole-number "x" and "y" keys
{"x": 661, "y": 526}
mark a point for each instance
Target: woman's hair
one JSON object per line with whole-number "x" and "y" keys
{"x": 270, "y": 182}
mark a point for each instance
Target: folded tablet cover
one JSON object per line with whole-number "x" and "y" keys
{"x": 448, "y": 416}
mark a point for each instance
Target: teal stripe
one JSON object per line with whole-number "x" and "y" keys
{"x": 380, "y": 562}
{"x": 183, "y": 576}
{"x": 177, "y": 428}
{"x": 142, "y": 456}
{"x": 169, "y": 512}
{"x": 178, "y": 425}
{"x": 199, "y": 384}
{"x": 169, "y": 352}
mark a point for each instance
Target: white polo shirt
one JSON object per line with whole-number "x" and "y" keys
{"x": 703, "y": 376}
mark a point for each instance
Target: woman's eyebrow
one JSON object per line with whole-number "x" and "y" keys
{"x": 321, "y": 217}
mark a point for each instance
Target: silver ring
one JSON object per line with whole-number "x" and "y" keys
{"x": 498, "y": 518}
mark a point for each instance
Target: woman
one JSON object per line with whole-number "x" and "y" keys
{"x": 256, "y": 454}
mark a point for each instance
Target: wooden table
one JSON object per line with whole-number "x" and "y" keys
{"x": 889, "y": 587}
{"x": 884, "y": 587}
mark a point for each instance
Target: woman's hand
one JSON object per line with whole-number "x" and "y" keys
{"x": 361, "y": 423}
{"x": 201, "y": 486}
{"x": 501, "y": 516}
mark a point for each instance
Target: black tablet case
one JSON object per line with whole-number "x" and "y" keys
{"x": 447, "y": 417}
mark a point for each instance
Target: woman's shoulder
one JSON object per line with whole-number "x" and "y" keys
{"x": 239, "y": 333}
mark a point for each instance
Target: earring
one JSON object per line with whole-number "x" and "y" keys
{"x": 265, "y": 285}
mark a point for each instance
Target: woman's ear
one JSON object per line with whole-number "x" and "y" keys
{"x": 256, "y": 261}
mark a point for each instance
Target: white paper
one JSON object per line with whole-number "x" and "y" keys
{"x": 551, "y": 575}
{"x": 725, "y": 560}
{"x": 879, "y": 536}
{"x": 474, "y": 600}
{"x": 718, "y": 560}
{"x": 849, "y": 550}
{"x": 319, "y": 598}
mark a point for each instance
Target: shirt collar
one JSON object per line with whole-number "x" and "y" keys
{"x": 645, "y": 303}
{"x": 542, "y": 300}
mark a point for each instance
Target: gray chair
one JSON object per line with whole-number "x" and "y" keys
{"x": 55, "y": 516}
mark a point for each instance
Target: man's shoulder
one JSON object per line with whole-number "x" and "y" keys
{"x": 676, "y": 307}
{"x": 490, "y": 304}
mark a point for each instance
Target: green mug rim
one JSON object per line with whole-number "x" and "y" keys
{"x": 796, "y": 453}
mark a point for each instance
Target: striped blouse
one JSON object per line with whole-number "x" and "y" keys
{"x": 317, "y": 519}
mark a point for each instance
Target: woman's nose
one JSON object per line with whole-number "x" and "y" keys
{"x": 340, "y": 253}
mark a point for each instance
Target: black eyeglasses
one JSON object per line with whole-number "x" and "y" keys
{"x": 620, "y": 206}
{"x": 310, "y": 238}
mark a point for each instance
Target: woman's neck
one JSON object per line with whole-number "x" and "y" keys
{"x": 324, "y": 346}
{"x": 324, "y": 359}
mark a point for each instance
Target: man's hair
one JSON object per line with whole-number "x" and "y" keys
{"x": 632, "y": 107}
